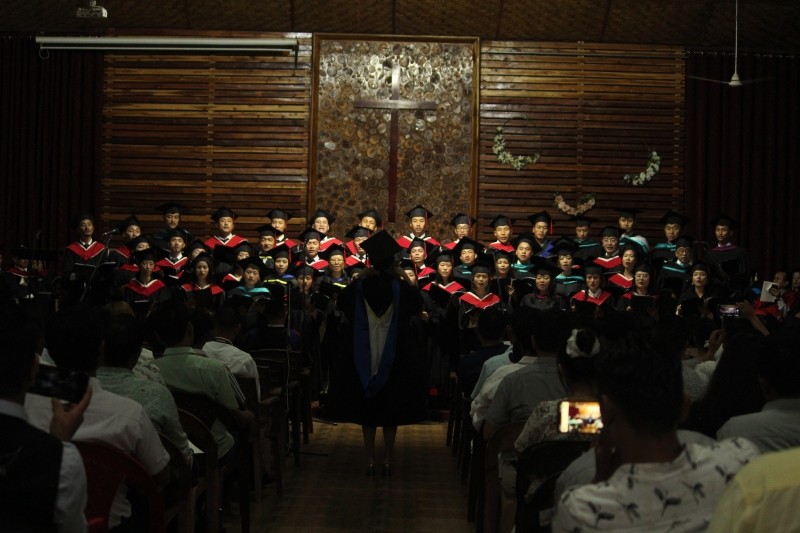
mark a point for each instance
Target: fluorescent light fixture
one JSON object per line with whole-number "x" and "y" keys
{"x": 166, "y": 44}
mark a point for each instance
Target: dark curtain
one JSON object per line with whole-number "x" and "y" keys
{"x": 741, "y": 153}
{"x": 50, "y": 141}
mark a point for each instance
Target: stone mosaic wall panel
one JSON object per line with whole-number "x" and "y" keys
{"x": 424, "y": 90}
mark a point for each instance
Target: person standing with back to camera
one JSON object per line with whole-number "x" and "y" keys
{"x": 380, "y": 376}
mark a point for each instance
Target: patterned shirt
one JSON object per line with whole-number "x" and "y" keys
{"x": 651, "y": 497}
{"x": 154, "y": 397}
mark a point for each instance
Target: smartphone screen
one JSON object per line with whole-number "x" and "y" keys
{"x": 579, "y": 417}
{"x": 728, "y": 310}
{"x": 68, "y": 385}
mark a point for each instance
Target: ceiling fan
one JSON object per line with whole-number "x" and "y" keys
{"x": 735, "y": 80}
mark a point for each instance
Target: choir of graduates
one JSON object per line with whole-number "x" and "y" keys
{"x": 594, "y": 269}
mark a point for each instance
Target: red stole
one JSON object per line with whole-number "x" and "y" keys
{"x": 145, "y": 290}
{"x": 232, "y": 242}
{"x": 481, "y": 303}
{"x": 86, "y": 253}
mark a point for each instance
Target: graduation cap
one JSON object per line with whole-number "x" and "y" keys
{"x": 372, "y": 213}
{"x": 279, "y": 251}
{"x": 197, "y": 244}
{"x": 203, "y": 257}
{"x": 592, "y": 268}
{"x": 442, "y": 255}
{"x": 333, "y": 249}
{"x": 523, "y": 237}
{"x": 466, "y": 244}
{"x": 643, "y": 267}
{"x": 358, "y": 231}
{"x": 243, "y": 247}
{"x": 543, "y": 266}
{"x": 136, "y": 241}
{"x": 170, "y": 207}
{"x": 724, "y": 220}
{"x": 76, "y": 220}
{"x": 382, "y": 249}
{"x": 582, "y": 220}
{"x": 429, "y": 247}
{"x": 563, "y": 247}
{"x": 541, "y": 216}
{"x": 671, "y": 217}
{"x": 178, "y": 232}
{"x": 223, "y": 212}
{"x": 502, "y": 254}
{"x": 254, "y": 263}
{"x": 419, "y": 211}
{"x": 310, "y": 233}
{"x": 610, "y": 231}
{"x": 501, "y": 220}
{"x": 684, "y": 241}
{"x": 304, "y": 269}
{"x": 319, "y": 213}
{"x": 355, "y": 269}
{"x": 153, "y": 254}
{"x": 280, "y": 214}
{"x": 461, "y": 218}
{"x": 628, "y": 212}
{"x": 699, "y": 265}
{"x": 407, "y": 264}
{"x": 484, "y": 264}
{"x": 268, "y": 231}
{"x": 126, "y": 223}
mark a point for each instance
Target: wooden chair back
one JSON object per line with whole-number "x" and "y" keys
{"x": 177, "y": 499}
{"x": 207, "y": 485}
{"x": 542, "y": 463}
{"x": 502, "y": 441}
{"x": 106, "y": 469}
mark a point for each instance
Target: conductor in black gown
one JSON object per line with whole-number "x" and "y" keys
{"x": 379, "y": 378}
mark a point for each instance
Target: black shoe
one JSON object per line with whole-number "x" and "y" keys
{"x": 387, "y": 470}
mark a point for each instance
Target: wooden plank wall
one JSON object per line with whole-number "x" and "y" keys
{"x": 207, "y": 130}
{"x": 591, "y": 111}
{"x": 234, "y": 130}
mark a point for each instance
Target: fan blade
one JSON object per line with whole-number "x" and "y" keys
{"x": 757, "y": 80}
{"x": 708, "y": 79}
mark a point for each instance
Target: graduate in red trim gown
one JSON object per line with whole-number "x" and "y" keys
{"x": 129, "y": 228}
{"x": 279, "y": 219}
{"x": 610, "y": 260}
{"x": 80, "y": 259}
{"x": 418, "y": 252}
{"x": 503, "y": 232}
{"x": 471, "y": 303}
{"x": 355, "y": 253}
{"x": 201, "y": 291}
{"x": 174, "y": 264}
{"x": 370, "y": 219}
{"x": 592, "y": 292}
{"x": 322, "y": 221}
{"x": 224, "y": 219}
{"x": 417, "y": 222}
{"x": 462, "y": 227}
{"x": 145, "y": 289}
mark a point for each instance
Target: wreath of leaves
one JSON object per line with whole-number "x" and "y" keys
{"x": 653, "y": 166}
{"x": 587, "y": 203}
{"x": 517, "y": 162}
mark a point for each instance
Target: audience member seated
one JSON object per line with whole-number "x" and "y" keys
{"x": 123, "y": 344}
{"x": 43, "y": 483}
{"x": 182, "y": 369}
{"x": 495, "y": 372}
{"x": 645, "y": 478}
{"x": 490, "y": 329}
{"x": 734, "y": 387}
{"x": 227, "y": 326}
{"x": 74, "y": 339}
{"x": 521, "y": 391}
{"x": 777, "y": 425}
{"x": 762, "y": 497}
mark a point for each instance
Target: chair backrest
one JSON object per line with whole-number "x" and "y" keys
{"x": 502, "y": 440}
{"x": 207, "y": 464}
{"x": 542, "y": 463}
{"x": 206, "y": 409}
{"x": 106, "y": 469}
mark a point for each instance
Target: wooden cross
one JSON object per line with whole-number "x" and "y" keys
{"x": 395, "y": 104}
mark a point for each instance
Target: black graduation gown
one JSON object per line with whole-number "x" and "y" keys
{"x": 402, "y": 399}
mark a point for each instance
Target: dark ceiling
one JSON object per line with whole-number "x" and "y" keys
{"x": 764, "y": 25}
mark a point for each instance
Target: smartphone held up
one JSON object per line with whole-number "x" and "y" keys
{"x": 579, "y": 417}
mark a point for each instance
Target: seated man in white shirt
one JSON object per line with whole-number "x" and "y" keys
{"x": 74, "y": 340}
{"x": 646, "y": 479}
{"x": 777, "y": 425}
{"x": 43, "y": 483}
{"x": 227, "y": 326}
